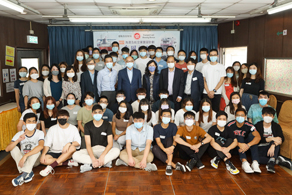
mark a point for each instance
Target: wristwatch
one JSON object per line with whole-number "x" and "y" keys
{"x": 202, "y": 142}
{"x": 215, "y": 90}
{"x": 173, "y": 146}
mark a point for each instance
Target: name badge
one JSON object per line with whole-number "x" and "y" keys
{"x": 248, "y": 83}
{"x": 183, "y": 68}
{"x": 126, "y": 120}
{"x": 104, "y": 117}
{"x": 21, "y": 84}
{"x": 103, "y": 133}
{"x": 100, "y": 64}
{"x": 160, "y": 65}
{"x": 162, "y": 137}
{"x": 53, "y": 119}
{"x": 195, "y": 78}
{"x": 227, "y": 85}
{"x": 75, "y": 112}
{"x": 217, "y": 134}
{"x": 188, "y": 137}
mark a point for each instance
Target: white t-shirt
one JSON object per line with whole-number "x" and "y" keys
{"x": 200, "y": 65}
{"x": 29, "y": 143}
{"x": 153, "y": 120}
{"x": 141, "y": 64}
{"x": 206, "y": 125}
{"x": 213, "y": 74}
{"x": 231, "y": 117}
{"x": 179, "y": 117}
{"x": 57, "y": 137}
{"x": 157, "y": 115}
{"x": 28, "y": 111}
{"x": 135, "y": 106}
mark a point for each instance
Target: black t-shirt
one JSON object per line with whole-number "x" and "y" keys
{"x": 252, "y": 87}
{"x": 98, "y": 135}
{"x": 50, "y": 121}
{"x": 18, "y": 84}
{"x": 221, "y": 135}
{"x": 244, "y": 131}
{"x": 163, "y": 134}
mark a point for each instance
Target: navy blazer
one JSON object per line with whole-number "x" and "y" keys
{"x": 197, "y": 87}
{"x": 146, "y": 85}
{"x": 87, "y": 85}
{"x": 125, "y": 85}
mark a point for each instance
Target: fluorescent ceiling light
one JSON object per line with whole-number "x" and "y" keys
{"x": 280, "y": 8}
{"x": 175, "y": 20}
{"x": 11, "y": 5}
{"x": 104, "y": 20}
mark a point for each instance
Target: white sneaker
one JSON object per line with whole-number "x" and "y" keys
{"x": 45, "y": 172}
{"x": 85, "y": 167}
{"x": 150, "y": 167}
{"x": 120, "y": 162}
{"x": 72, "y": 163}
{"x": 256, "y": 167}
{"x": 246, "y": 167}
{"x": 108, "y": 165}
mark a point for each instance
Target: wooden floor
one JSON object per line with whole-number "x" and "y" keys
{"x": 125, "y": 180}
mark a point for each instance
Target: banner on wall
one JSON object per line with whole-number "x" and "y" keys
{"x": 133, "y": 39}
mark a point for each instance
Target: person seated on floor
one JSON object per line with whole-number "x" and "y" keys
{"x": 271, "y": 139}
{"x": 164, "y": 135}
{"x": 248, "y": 138}
{"x": 61, "y": 142}
{"x": 141, "y": 94}
{"x": 99, "y": 143}
{"x": 255, "y": 111}
{"x": 223, "y": 141}
{"x": 120, "y": 96}
{"x": 139, "y": 137}
{"x": 192, "y": 142}
{"x": 163, "y": 94}
{"x": 107, "y": 113}
{"x": 31, "y": 142}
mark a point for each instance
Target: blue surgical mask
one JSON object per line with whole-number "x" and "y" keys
{"x": 188, "y": 108}
{"x": 130, "y": 64}
{"x": 138, "y": 125}
{"x": 134, "y": 57}
{"x": 95, "y": 55}
{"x": 36, "y": 106}
{"x": 194, "y": 57}
{"x": 70, "y": 102}
{"x": 151, "y": 68}
{"x": 97, "y": 117}
{"x": 22, "y": 74}
{"x": 158, "y": 54}
{"x": 206, "y": 108}
{"x": 240, "y": 119}
{"x": 143, "y": 53}
{"x": 125, "y": 56}
{"x": 263, "y": 101}
{"x": 51, "y": 107}
{"x": 79, "y": 58}
{"x": 115, "y": 49}
{"x": 114, "y": 59}
{"x": 89, "y": 102}
{"x": 109, "y": 65}
{"x": 86, "y": 56}
{"x": 181, "y": 58}
{"x": 252, "y": 71}
{"x": 165, "y": 120}
{"x": 213, "y": 58}
{"x": 229, "y": 75}
{"x": 163, "y": 96}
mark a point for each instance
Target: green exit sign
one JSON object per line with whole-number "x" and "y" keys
{"x": 32, "y": 39}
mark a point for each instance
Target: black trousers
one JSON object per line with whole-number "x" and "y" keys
{"x": 158, "y": 153}
{"x": 187, "y": 153}
{"x": 263, "y": 150}
{"x": 213, "y": 153}
{"x": 215, "y": 101}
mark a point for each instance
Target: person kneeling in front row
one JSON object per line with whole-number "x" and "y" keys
{"x": 99, "y": 142}
{"x": 189, "y": 145}
{"x": 139, "y": 137}
{"x": 61, "y": 142}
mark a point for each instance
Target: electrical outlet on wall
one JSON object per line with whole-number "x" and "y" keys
{"x": 284, "y": 32}
{"x": 232, "y": 31}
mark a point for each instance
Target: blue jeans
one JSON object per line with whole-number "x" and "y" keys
{"x": 263, "y": 150}
{"x": 253, "y": 149}
{"x": 249, "y": 99}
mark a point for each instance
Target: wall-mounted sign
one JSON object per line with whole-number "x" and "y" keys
{"x": 32, "y": 39}
{"x": 9, "y": 57}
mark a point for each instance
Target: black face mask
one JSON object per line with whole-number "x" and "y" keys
{"x": 62, "y": 121}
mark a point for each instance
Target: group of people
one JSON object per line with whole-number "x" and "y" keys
{"x": 134, "y": 106}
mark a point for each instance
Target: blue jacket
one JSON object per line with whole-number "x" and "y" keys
{"x": 87, "y": 85}
{"x": 125, "y": 85}
{"x": 146, "y": 85}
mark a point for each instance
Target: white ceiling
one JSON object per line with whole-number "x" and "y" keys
{"x": 239, "y": 8}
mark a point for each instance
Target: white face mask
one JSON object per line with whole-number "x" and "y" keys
{"x": 144, "y": 107}
{"x": 170, "y": 65}
{"x": 268, "y": 119}
{"x": 34, "y": 76}
{"x": 45, "y": 73}
{"x": 189, "y": 122}
{"x": 103, "y": 105}
{"x": 236, "y": 68}
{"x": 203, "y": 56}
{"x": 141, "y": 97}
{"x": 152, "y": 53}
{"x": 191, "y": 67}
{"x": 71, "y": 74}
{"x": 119, "y": 99}
{"x": 122, "y": 109}
{"x": 170, "y": 53}
{"x": 221, "y": 123}
{"x": 30, "y": 127}
{"x": 62, "y": 69}
{"x": 90, "y": 67}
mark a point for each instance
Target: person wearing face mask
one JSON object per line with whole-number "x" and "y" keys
{"x": 143, "y": 60}
{"x": 181, "y": 64}
{"x": 150, "y": 117}
{"x": 86, "y": 53}
{"x": 99, "y": 64}
{"x": 80, "y": 63}
{"x": 229, "y": 86}
{"x": 134, "y": 54}
{"x": 204, "y": 56}
{"x": 194, "y": 84}
{"x": 99, "y": 150}
{"x": 125, "y": 55}
{"x": 193, "y": 55}
{"x": 164, "y": 104}
{"x": 120, "y": 96}
{"x": 129, "y": 80}
{"x": 271, "y": 139}
{"x": 34, "y": 106}
{"x": 90, "y": 50}
{"x": 237, "y": 72}
{"x": 173, "y": 80}
{"x": 73, "y": 108}
{"x": 106, "y": 80}
{"x": 248, "y": 138}
{"x": 206, "y": 117}
{"x": 61, "y": 142}
{"x": 139, "y": 137}
{"x": 18, "y": 86}
{"x": 163, "y": 94}
{"x": 116, "y": 48}
{"x": 243, "y": 73}
{"x": 151, "y": 51}
{"x": 121, "y": 121}
{"x": 26, "y": 157}
{"x": 141, "y": 94}
{"x": 53, "y": 86}
{"x": 116, "y": 66}
{"x": 33, "y": 87}
{"x": 107, "y": 113}
{"x": 45, "y": 72}
{"x": 214, "y": 74}
{"x": 223, "y": 141}
{"x": 70, "y": 85}
{"x": 169, "y": 51}
{"x": 255, "y": 111}
{"x": 233, "y": 105}
{"x": 48, "y": 117}
{"x": 163, "y": 149}
{"x": 251, "y": 86}
{"x": 89, "y": 80}
{"x": 187, "y": 105}
{"x": 151, "y": 81}
{"x": 159, "y": 61}
{"x": 63, "y": 66}
{"x": 103, "y": 53}
{"x": 192, "y": 142}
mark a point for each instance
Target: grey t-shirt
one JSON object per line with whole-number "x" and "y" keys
{"x": 73, "y": 114}
{"x": 31, "y": 89}
{"x": 99, "y": 65}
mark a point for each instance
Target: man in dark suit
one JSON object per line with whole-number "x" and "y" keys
{"x": 172, "y": 79}
{"x": 194, "y": 84}
{"x": 129, "y": 80}
{"x": 89, "y": 80}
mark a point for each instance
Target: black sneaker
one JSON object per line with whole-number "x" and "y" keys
{"x": 231, "y": 168}
{"x": 180, "y": 167}
{"x": 283, "y": 162}
{"x": 168, "y": 170}
{"x": 190, "y": 164}
{"x": 271, "y": 166}
{"x": 200, "y": 165}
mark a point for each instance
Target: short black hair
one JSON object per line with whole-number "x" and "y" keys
{"x": 138, "y": 115}
{"x": 96, "y": 107}
{"x": 181, "y": 50}
{"x": 89, "y": 93}
{"x": 189, "y": 113}
{"x": 71, "y": 94}
{"x": 22, "y": 68}
{"x": 159, "y": 48}
{"x": 170, "y": 57}
{"x": 63, "y": 112}
{"x": 29, "y": 115}
{"x": 141, "y": 90}
{"x": 214, "y": 50}
{"x": 204, "y": 49}
{"x": 263, "y": 92}
{"x": 107, "y": 56}
{"x": 115, "y": 42}
{"x": 125, "y": 49}
{"x": 191, "y": 60}
{"x": 104, "y": 51}
{"x": 114, "y": 54}
{"x": 151, "y": 47}
{"x": 120, "y": 92}
{"x": 165, "y": 110}
{"x": 170, "y": 47}
{"x": 241, "y": 110}
{"x": 142, "y": 47}
{"x": 103, "y": 97}
{"x": 89, "y": 46}
{"x": 268, "y": 110}
{"x": 96, "y": 49}
{"x": 164, "y": 91}
{"x": 220, "y": 113}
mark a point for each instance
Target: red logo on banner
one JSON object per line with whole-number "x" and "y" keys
{"x": 137, "y": 36}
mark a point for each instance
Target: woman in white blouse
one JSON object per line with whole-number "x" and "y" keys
{"x": 206, "y": 117}
{"x": 187, "y": 105}
{"x": 233, "y": 105}
{"x": 150, "y": 117}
